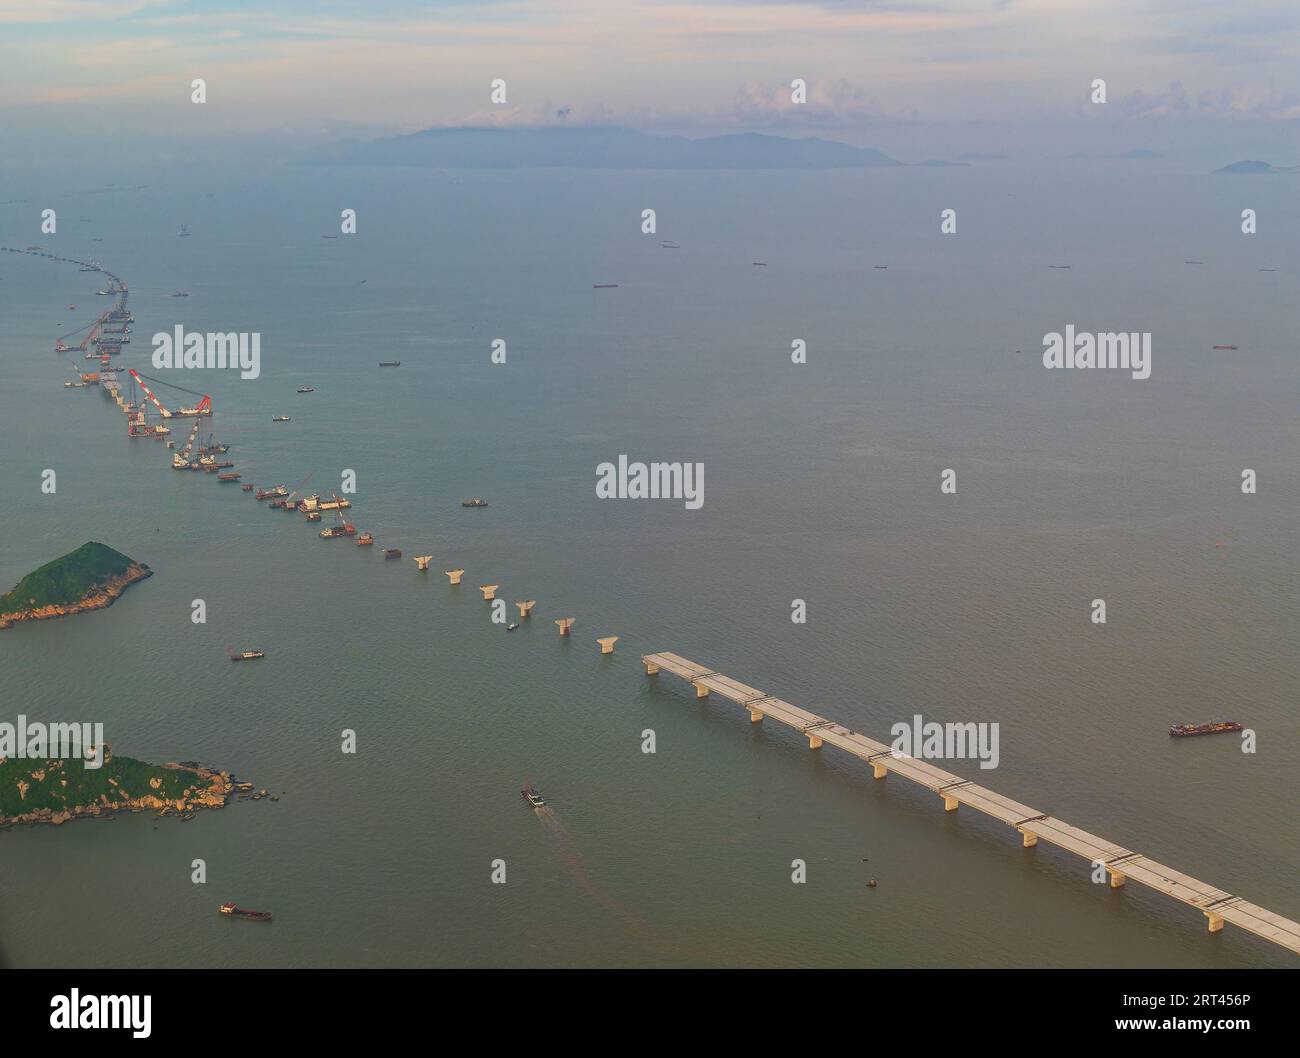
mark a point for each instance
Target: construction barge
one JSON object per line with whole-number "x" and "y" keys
{"x": 1214, "y": 727}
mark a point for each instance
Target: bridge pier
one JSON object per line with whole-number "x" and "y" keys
{"x": 1216, "y": 923}
{"x": 701, "y": 691}
{"x": 489, "y": 591}
{"x": 526, "y": 608}
{"x": 651, "y": 669}
{"x": 422, "y": 562}
{"x": 607, "y": 644}
{"x": 1117, "y": 878}
{"x": 1030, "y": 839}
{"x": 878, "y": 770}
{"x": 755, "y": 717}
{"x": 454, "y": 575}
{"x": 814, "y": 741}
{"x": 949, "y": 803}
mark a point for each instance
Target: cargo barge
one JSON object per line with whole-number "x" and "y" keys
{"x": 238, "y": 912}
{"x": 1214, "y": 727}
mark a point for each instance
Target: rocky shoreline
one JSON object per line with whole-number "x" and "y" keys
{"x": 219, "y": 786}
{"x": 97, "y": 599}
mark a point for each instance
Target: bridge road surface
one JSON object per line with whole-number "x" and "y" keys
{"x": 1120, "y": 863}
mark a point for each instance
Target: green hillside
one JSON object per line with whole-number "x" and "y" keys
{"x": 67, "y": 579}
{"x": 120, "y": 778}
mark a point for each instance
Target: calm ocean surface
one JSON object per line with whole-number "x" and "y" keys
{"x": 821, "y": 483}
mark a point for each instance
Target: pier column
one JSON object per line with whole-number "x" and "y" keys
{"x": 701, "y": 691}
{"x": 607, "y": 644}
{"x": 422, "y": 562}
{"x": 489, "y": 590}
{"x": 814, "y": 742}
{"x": 878, "y": 770}
{"x": 1030, "y": 839}
{"x": 651, "y": 669}
{"x": 949, "y": 803}
{"x": 755, "y": 717}
{"x": 565, "y": 624}
{"x": 526, "y": 608}
{"x": 454, "y": 575}
{"x": 1216, "y": 923}
{"x": 1117, "y": 878}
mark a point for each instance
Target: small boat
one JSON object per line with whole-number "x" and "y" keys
{"x": 533, "y": 798}
{"x": 75, "y": 385}
{"x": 247, "y": 487}
{"x": 669, "y": 245}
{"x": 512, "y": 627}
{"x": 180, "y": 294}
{"x": 1194, "y": 262}
{"x": 364, "y": 539}
{"x": 306, "y": 389}
{"x": 1225, "y": 347}
{"x": 390, "y": 363}
{"x": 246, "y": 655}
{"x": 1214, "y": 727}
{"x": 475, "y": 502}
{"x": 280, "y": 418}
{"x": 604, "y": 286}
{"x": 759, "y": 264}
{"x": 392, "y": 552}
{"x": 239, "y": 912}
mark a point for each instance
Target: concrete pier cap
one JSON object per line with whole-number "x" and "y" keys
{"x": 422, "y": 562}
{"x": 454, "y": 575}
{"x": 565, "y": 624}
{"x": 489, "y": 590}
{"x": 526, "y": 607}
{"x": 607, "y": 643}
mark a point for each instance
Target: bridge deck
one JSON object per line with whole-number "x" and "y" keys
{"x": 1030, "y": 821}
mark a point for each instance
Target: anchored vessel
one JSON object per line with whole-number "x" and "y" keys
{"x": 1214, "y": 727}
{"x": 238, "y": 912}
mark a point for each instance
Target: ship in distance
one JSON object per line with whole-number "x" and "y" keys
{"x": 1214, "y": 727}
{"x": 238, "y": 912}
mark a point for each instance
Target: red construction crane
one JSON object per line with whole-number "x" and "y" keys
{"x": 204, "y": 407}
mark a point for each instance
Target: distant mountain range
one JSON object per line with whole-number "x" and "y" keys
{"x": 1249, "y": 168}
{"x": 606, "y": 148}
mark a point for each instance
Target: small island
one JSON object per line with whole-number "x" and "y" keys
{"x": 57, "y": 790}
{"x": 89, "y": 578}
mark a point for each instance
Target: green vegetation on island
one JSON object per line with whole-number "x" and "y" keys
{"x": 56, "y": 790}
{"x": 89, "y": 578}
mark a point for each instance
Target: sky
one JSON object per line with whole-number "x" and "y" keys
{"x": 301, "y": 72}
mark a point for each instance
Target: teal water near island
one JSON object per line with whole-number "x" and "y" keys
{"x": 822, "y": 483}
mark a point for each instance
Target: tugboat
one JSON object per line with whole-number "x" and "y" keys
{"x": 239, "y": 912}
{"x": 1214, "y": 727}
{"x": 475, "y": 502}
{"x": 246, "y": 655}
{"x": 533, "y": 798}
{"x": 365, "y": 538}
